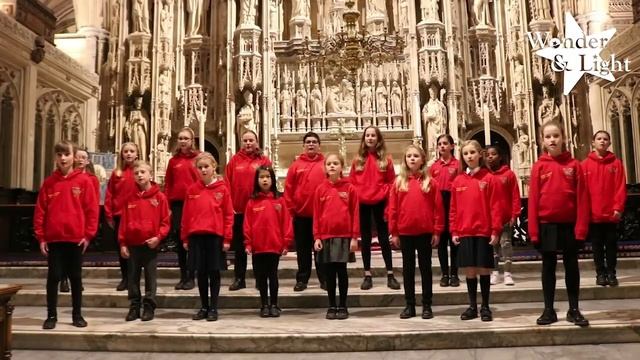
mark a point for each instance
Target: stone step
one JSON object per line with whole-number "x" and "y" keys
{"x": 306, "y": 330}
{"x": 101, "y": 293}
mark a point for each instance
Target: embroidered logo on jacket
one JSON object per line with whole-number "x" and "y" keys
{"x": 569, "y": 171}
{"x": 218, "y": 196}
{"x": 482, "y": 185}
{"x": 258, "y": 209}
{"x": 504, "y": 179}
{"x": 461, "y": 189}
{"x": 154, "y": 202}
{"x": 194, "y": 196}
{"x": 76, "y": 191}
{"x": 178, "y": 165}
{"x": 612, "y": 169}
{"x": 343, "y": 194}
{"x": 53, "y": 194}
{"x": 131, "y": 206}
{"x": 452, "y": 171}
{"x": 545, "y": 175}
{"x": 255, "y": 166}
{"x": 277, "y": 207}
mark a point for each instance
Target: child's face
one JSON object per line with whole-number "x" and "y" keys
{"x": 249, "y": 142}
{"x": 333, "y": 167}
{"x": 444, "y": 146}
{"x": 129, "y": 154}
{"x": 142, "y": 175}
{"x": 64, "y": 161}
{"x": 493, "y": 158}
{"x": 602, "y": 142}
{"x": 82, "y": 159}
{"x": 552, "y": 139}
{"x": 311, "y": 145}
{"x": 185, "y": 141}
{"x": 471, "y": 156}
{"x": 264, "y": 181}
{"x": 371, "y": 138}
{"x": 413, "y": 159}
{"x": 206, "y": 169}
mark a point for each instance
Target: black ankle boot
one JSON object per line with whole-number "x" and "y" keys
{"x": 408, "y": 312}
{"x": 134, "y": 313}
{"x": 574, "y": 316}
{"x": 548, "y": 317}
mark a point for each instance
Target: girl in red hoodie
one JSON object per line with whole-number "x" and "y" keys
{"x": 267, "y": 234}
{"x": 475, "y": 225}
{"x": 145, "y": 223}
{"x": 181, "y": 173}
{"x": 509, "y": 204}
{"x": 119, "y": 188}
{"x": 606, "y": 183}
{"x": 239, "y": 174}
{"x": 415, "y": 221}
{"x": 372, "y": 174}
{"x": 336, "y": 230}
{"x": 206, "y": 230}
{"x": 558, "y": 219}
{"x": 64, "y": 221}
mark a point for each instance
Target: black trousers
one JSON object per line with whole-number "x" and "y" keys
{"x": 572, "y": 277}
{"x": 303, "y": 234}
{"x": 340, "y": 270}
{"x": 422, "y": 245}
{"x": 124, "y": 271}
{"x": 64, "y": 260}
{"x": 265, "y": 268}
{"x": 147, "y": 258}
{"x": 176, "y": 220}
{"x": 237, "y": 245}
{"x": 604, "y": 240}
{"x": 377, "y": 212}
{"x": 445, "y": 240}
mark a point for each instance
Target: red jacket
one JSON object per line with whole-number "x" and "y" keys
{"x": 207, "y": 210}
{"x": 558, "y": 194}
{"x": 240, "y": 175}
{"x": 444, "y": 173}
{"x": 303, "y": 178}
{"x": 336, "y": 212}
{"x": 181, "y": 173}
{"x": 508, "y": 194}
{"x": 415, "y": 212}
{"x": 95, "y": 183}
{"x": 472, "y": 211}
{"x": 372, "y": 183}
{"x": 120, "y": 187}
{"x": 67, "y": 209}
{"x": 144, "y": 216}
{"x": 267, "y": 225}
{"x": 607, "y": 186}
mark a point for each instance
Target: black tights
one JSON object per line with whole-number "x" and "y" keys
{"x": 572, "y": 277}
{"x": 64, "y": 260}
{"x": 206, "y": 280}
{"x": 124, "y": 263}
{"x": 339, "y": 269}
{"x": 377, "y": 212}
{"x": 265, "y": 267}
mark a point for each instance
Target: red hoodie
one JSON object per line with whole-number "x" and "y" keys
{"x": 67, "y": 209}
{"x": 372, "y": 183}
{"x": 445, "y": 172}
{"x": 415, "y": 212}
{"x": 120, "y": 187}
{"x": 472, "y": 212}
{"x": 508, "y": 193}
{"x": 144, "y": 216}
{"x": 336, "y": 213}
{"x": 240, "y": 175}
{"x": 267, "y": 225}
{"x": 558, "y": 194}
{"x": 303, "y": 178}
{"x": 207, "y": 210}
{"x": 607, "y": 186}
{"x": 181, "y": 173}
{"x": 94, "y": 182}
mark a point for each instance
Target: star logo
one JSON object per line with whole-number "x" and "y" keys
{"x": 578, "y": 54}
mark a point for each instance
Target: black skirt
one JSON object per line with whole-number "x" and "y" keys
{"x": 558, "y": 237}
{"x": 205, "y": 253}
{"x": 334, "y": 250}
{"x": 475, "y": 251}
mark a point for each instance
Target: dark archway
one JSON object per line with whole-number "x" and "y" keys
{"x": 496, "y": 140}
{"x": 210, "y": 148}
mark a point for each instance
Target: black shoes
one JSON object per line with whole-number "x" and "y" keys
{"x": 323, "y": 285}
{"x": 612, "y": 280}
{"x": 148, "y": 313}
{"x": 237, "y": 285}
{"x": 574, "y": 316}
{"x": 265, "y": 311}
{"x": 300, "y": 286}
{"x": 367, "y": 283}
{"x": 548, "y": 317}
{"x": 444, "y": 281}
{"x": 469, "y": 314}
{"x": 274, "y": 311}
{"x": 602, "y": 280}
{"x": 134, "y": 314}
{"x": 331, "y": 313}
{"x": 454, "y": 281}
{"x": 485, "y": 314}
{"x": 392, "y": 283}
{"x": 408, "y": 312}
{"x": 342, "y": 313}
{"x": 50, "y": 323}
{"x": 64, "y": 286}
{"x": 123, "y": 285}
{"x": 201, "y": 314}
{"x": 212, "y": 315}
{"x": 78, "y": 321}
{"x": 179, "y": 285}
{"x": 188, "y": 284}
{"x": 427, "y": 313}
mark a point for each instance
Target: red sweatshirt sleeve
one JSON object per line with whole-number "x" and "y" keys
{"x": 390, "y": 175}
{"x": 453, "y": 209}
{"x": 168, "y": 178}
{"x": 584, "y": 206}
{"x": 355, "y": 212}
{"x": 290, "y": 187}
{"x": 621, "y": 189}
{"x": 286, "y": 224}
{"x": 496, "y": 215}
{"x": 392, "y": 211}
{"x": 438, "y": 211}
{"x": 228, "y": 218}
{"x": 533, "y": 203}
{"x": 247, "y": 227}
{"x": 316, "y": 214}
{"x": 165, "y": 218}
{"x": 40, "y": 213}
{"x": 108, "y": 198}
{"x": 124, "y": 220}
{"x": 91, "y": 208}
{"x": 228, "y": 172}
{"x": 515, "y": 197}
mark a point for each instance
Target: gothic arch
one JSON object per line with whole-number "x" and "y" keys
{"x": 9, "y": 117}
{"x": 620, "y": 119}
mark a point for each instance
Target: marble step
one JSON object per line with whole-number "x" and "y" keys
{"x": 306, "y": 330}
{"x": 101, "y": 293}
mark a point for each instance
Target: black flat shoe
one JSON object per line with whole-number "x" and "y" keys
{"x": 201, "y": 314}
{"x": 78, "y": 321}
{"x": 274, "y": 311}
{"x": 444, "y": 281}
{"x": 300, "y": 286}
{"x": 134, "y": 314}
{"x": 548, "y": 317}
{"x": 188, "y": 284}
{"x": 602, "y": 280}
{"x": 454, "y": 281}
{"x": 212, "y": 315}
{"x": 264, "y": 311}
{"x": 392, "y": 283}
{"x": 179, "y": 285}
{"x": 331, "y": 313}
{"x": 237, "y": 285}
{"x": 574, "y": 316}
{"x": 64, "y": 286}
{"x": 342, "y": 313}
{"x": 427, "y": 313}
{"x": 50, "y": 323}
{"x": 612, "y": 280}
{"x": 408, "y": 312}
{"x": 148, "y": 314}
{"x": 485, "y": 314}
{"x": 122, "y": 286}
{"x": 469, "y": 314}
{"x": 367, "y": 283}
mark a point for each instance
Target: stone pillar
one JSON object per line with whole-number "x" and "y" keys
{"x": 24, "y": 175}
{"x": 413, "y": 78}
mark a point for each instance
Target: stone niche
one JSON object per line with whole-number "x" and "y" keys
{"x": 32, "y": 14}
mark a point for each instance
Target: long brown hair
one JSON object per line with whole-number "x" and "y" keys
{"x": 381, "y": 151}
{"x": 189, "y": 130}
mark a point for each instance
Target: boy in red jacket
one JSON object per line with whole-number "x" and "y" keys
{"x": 606, "y": 184}
{"x": 145, "y": 222}
{"x": 64, "y": 221}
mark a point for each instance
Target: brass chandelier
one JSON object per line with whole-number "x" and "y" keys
{"x": 344, "y": 53}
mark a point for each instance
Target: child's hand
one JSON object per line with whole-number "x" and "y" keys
{"x": 435, "y": 240}
{"x": 455, "y": 240}
{"x": 124, "y": 252}
{"x": 494, "y": 240}
{"x": 354, "y": 245}
{"x": 284, "y": 252}
{"x": 512, "y": 222}
{"x": 247, "y": 250}
{"x": 185, "y": 246}
{"x": 317, "y": 246}
{"x": 84, "y": 243}
{"x": 226, "y": 247}
{"x": 44, "y": 249}
{"x": 153, "y": 242}
{"x": 617, "y": 215}
{"x": 395, "y": 240}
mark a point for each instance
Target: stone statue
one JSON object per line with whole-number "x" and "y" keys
{"x": 365, "y": 98}
{"x": 522, "y": 149}
{"x": 376, "y": 7}
{"x": 285, "y": 102}
{"x": 403, "y": 18}
{"x": 140, "y": 15}
{"x": 301, "y": 101}
{"x": 166, "y": 21}
{"x": 430, "y": 10}
{"x": 115, "y": 18}
{"x": 396, "y": 98}
{"x": 274, "y": 16}
{"x": 336, "y": 22}
{"x": 547, "y": 110}
{"x": 542, "y": 10}
{"x": 333, "y": 99}
{"x": 316, "y": 101}
{"x": 248, "y": 12}
{"x": 164, "y": 86}
{"x": 481, "y": 12}
{"x": 162, "y": 153}
{"x": 136, "y": 127}
{"x": 301, "y": 8}
{"x": 514, "y": 12}
{"x": 246, "y": 116}
{"x": 434, "y": 114}
{"x": 348, "y": 96}
{"x": 381, "y": 98}
{"x": 518, "y": 78}
{"x": 197, "y": 10}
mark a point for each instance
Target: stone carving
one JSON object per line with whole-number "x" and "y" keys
{"x": 376, "y": 7}
{"x": 381, "y": 98}
{"x": 348, "y": 96}
{"x": 518, "y": 78}
{"x": 481, "y": 12}
{"x": 316, "y": 101}
{"x": 547, "y": 110}
{"x": 197, "y": 22}
{"x": 140, "y": 16}
{"x": 403, "y": 17}
{"x": 540, "y": 9}
{"x": 285, "y": 102}
{"x": 166, "y": 21}
{"x": 301, "y": 8}
{"x": 162, "y": 152}
{"x": 396, "y": 98}
{"x": 301, "y": 101}
{"x": 429, "y": 10}
{"x": 248, "y": 12}
{"x": 333, "y": 99}
{"x": 136, "y": 127}
{"x": 522, "y": 150}
{"x": 514, "y": 12}
{"x": 434, "y": 115}
{"x": 366, "y": 95}
{"x": 115, "y": 18}
{"x": 246, "y": 117}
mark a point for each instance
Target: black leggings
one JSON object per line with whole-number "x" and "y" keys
{"x": 265, "y": 267}
{"x": 422, "y": 245}
{"x": 604, "y": 240}
{"x": 64, "y": 260}
{"x": 237, "y": 245}
{"x": 445, "y": 239}
{"x": 206, "y": 281}
{"x": 124, "y": 263}
{"x": 176, "y": 219}
{"x": 339, "y": 269}
{"x": 572, "y": 277}
{"x": 377, "y": 211}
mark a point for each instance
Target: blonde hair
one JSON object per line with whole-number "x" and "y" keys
{"x": 189, "y": 130}
{"x": 142, "y": 163}
{"x": 478, "y": 147}
{"x": 402, "y": 180}
{"x": 562, "y": 133}
{"x": 381, "y": 150}
{"x": 340, "y": 158}
{"x": 120, "y": 162}
{"x": 206, "y": 156}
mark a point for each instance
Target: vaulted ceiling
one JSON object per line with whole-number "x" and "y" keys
{"x": 64, "y": 12}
